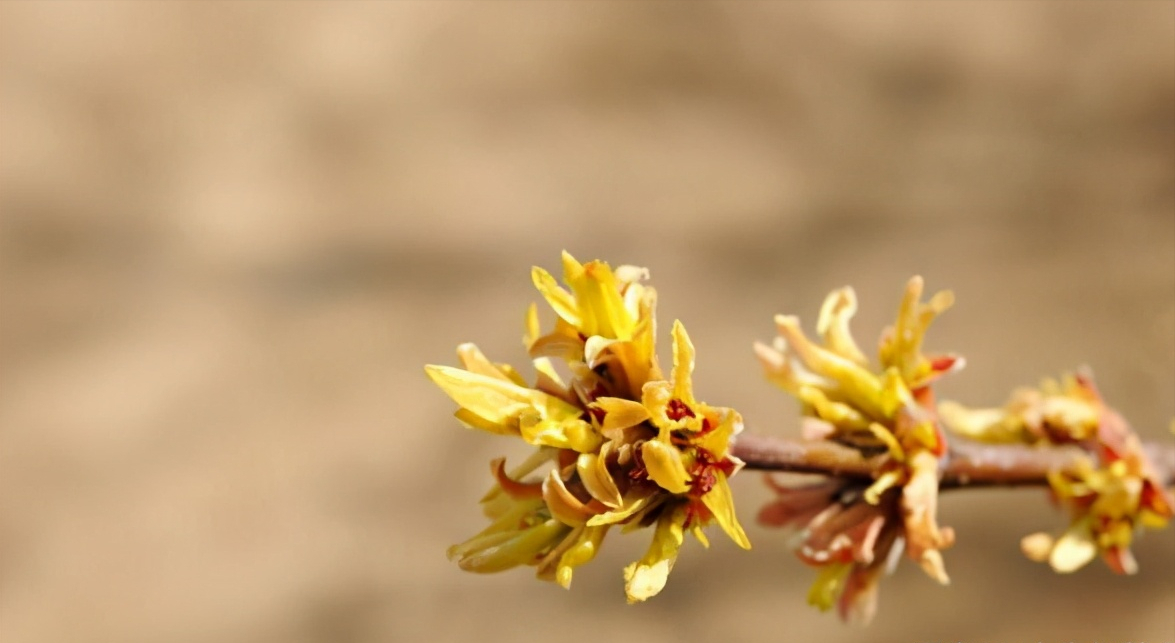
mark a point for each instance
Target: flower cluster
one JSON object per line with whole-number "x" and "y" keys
{"x": 1108, "y": 503}
{"x": 849, "y": 531}
{"x": 615, "y": 443}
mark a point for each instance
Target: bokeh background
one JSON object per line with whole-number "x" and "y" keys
{"x": 231, "y": 234}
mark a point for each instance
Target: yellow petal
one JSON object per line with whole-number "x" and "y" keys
{"x": 891, "y": 443}
{"x": 696, "y": 530}
{"x": 646, "y": 577}
{"x": 720, "y": 503}
{"x": 983, "y": 425}
{"x": 663, "y": 462}
{"x": 683, "y": 364}
{"x": 563, "y": 504}
{"x": 1073, "y": 550}
{"x": 472, "y": 420}
{"x": 571, "y": 433}
{"x": 594, "y": 348}
{"x": 620, "y": 413}
{"x": 895, "y": 395}
{"x": 520, "y": 550}
{"x": 560, "y": 300}
{"x": 512, "y": 374}
{"x": 475, "y": 361}
{"x": 548, "y": 379}
{"x": 583, "y": 551}
{"x": 833, "y": 324}
{"x": 630, "y": 506}
{"x": 860, "y": 386}
{"x": 601, "y": 295}
{"x": 491, "y": 398}
{"x": 717, "y": 441}
{"x": 842, "y": 415}
{"x": 533, "y": 330}
{"x": 828, "y": 585}
{"x": 596, "y": 478}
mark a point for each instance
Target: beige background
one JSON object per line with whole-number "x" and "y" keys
{"x": 232, "y": 234}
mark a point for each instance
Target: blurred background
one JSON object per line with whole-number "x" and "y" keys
{"x": 231, "y": 235}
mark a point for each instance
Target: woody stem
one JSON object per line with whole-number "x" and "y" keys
{"x": 968, "y": 464}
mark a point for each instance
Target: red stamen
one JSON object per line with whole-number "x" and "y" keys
{"x": 676, "y": 409}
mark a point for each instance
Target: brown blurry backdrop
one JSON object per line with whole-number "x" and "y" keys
{"x": 232, "y": 234}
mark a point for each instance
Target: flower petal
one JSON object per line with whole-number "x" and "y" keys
{"x": 1074, "y": 549}
{"x": 571, "y": 433}
{"x": 475, "y": 361}
{"x": 520, "y": 550}
{"x": 721, "y": 504}
{"x": 560, "y": 300}
{"x": 596, "y": 479}
{"x": 632, "y": 505}
{"x": 683, "y": 364}
{"x": 860, "y": 386}
{"x": 563, "y": 504}
{"x": 827, "y": 585}
{"x": 833, "y": 324}
{"x": 646, "y": 577}
{"x": 620, "y": 413}
{"x": 583, "y": 551}
{"x": 665, "y": 467}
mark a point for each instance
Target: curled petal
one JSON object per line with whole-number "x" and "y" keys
{"x": 665, "y": 467}
{"x": 860, "y": 386}
{"x": 620, "y": 413}
{"x": 841, "y": 415}
{"x": 513, "y": 488}
{"x": 721, "y": 504}
{"x": 562, "y": 503}
{"x": 593, "y": 473}
{"x": 519, "y": 550}
{"x": 631, "y": 505}
{"x": 537, "y": 459}
{"x": 646, "y": 577}
{"x": 833, "y": 324}
{"x": 560, "y": 300}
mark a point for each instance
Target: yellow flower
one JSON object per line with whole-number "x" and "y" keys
{"x": 615, "y": 445}
{"x": 892, "y": 411}
{"x": 687, "y": 458}
{"x": 1108, "y": 503}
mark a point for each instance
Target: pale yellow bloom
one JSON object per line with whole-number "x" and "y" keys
{"x": 615, "y": 445}
{"x": 888, "y": 409}
{"x": 1109, "y": 503}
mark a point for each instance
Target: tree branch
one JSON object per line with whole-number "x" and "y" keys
{"x": 968, "y": 464}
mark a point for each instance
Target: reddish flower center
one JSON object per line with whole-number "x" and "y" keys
{"x": 676, "y": 409}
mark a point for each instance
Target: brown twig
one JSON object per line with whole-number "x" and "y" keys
{"x": 968, "y": 464}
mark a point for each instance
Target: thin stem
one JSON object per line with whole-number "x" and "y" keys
{"x": 968, "y": 464}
